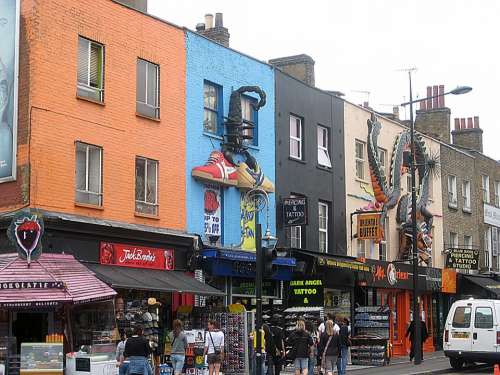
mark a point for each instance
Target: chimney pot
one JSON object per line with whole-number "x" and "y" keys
{"x": 209, "y": 21}
{"x": 462, "y": 123}
{"x": 200, "y": 26}
{"x": 218, "y": 20}
{"x": 476, "y": 122}
{"x": 395, "y": 112}
{"x": 441, "y": 96}
{"x": 457, "y": 124}
{"x": 469, "y": 123}
{"x": 365, "y": 105}
{"x": 422, "y": 105}
{"x": 435, "y": 93}
{"x": 429, "y": 93}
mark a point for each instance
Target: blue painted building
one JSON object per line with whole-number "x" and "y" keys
{"x": 215, "y": 189}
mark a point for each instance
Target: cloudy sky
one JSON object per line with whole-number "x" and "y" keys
{"x": 361, "y": 47}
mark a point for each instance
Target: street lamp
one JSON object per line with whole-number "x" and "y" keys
{"x": 416, "y": 308}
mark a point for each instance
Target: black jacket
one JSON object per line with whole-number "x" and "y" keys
{"x": 344, "y": 336}
{"x": 333, "y": 348}
{"x": 423, "y": 331}
{"x": 301, "y": 342}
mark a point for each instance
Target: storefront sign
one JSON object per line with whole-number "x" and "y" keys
{"x": 247, "y": 211}
{"x": 30, "y": 304}
{"x": 212, "y": 208}
{"x": 295, "y": 211}
{"x": 246, "y": 287}
{"x": 136, "y": 256}
{"x": 449, "y": 281}
{"x": 491, "y": 215}
{"x": 337, "y": 263}
{"x": 462, "y": 259}
{"x": 25, "y": 232}
{"x": 369, "y": 226}
{"x": 32, "y": 285}
{"x": 9, "y": 69}
{"x": 304, "y": 293}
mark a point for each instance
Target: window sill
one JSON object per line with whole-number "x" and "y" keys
{"x": 147, "y": 117}
{"x": 360, "y": 180}
{"x": 88, "y": 205}
{"x": 90, "y": 100}
{"x": 452, "y": 205}
{"x": 297, "y": 160}
{"x": 213, "y": 135}
{"x": 467, "y": 210}
{"x": 324, "y": 168}
{"x": 147, "y": 216}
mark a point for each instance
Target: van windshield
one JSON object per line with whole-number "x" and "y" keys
{"x": 461, "y": 319}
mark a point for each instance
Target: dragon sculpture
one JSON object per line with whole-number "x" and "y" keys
{"x": 387, "y": 191}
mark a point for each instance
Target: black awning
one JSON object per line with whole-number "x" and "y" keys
{"x": 487, "y": 283}
{"x": 153, "y": 280}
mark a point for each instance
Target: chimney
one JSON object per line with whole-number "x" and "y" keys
{"x": 140, "y": 5}
{"x": 395, "y": 112}
{"x": 467, "y": 134}
{"x": 300, "y": 67}
{"x": 217, "y": 33}
{"x": 433, "y": 118}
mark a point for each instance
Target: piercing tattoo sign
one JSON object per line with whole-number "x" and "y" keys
{"x": 295, "y": 211}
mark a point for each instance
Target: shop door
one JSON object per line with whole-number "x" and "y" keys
{"x": 428, "y": 314}
{"x": 400, "y": 308}
{"x": 30, "y": 327}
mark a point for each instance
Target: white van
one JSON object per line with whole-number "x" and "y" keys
{"x": 472, "y": 332}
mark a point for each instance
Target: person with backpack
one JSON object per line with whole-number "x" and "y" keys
{"x": 280, "y": 349}
{"x": 302, "y": 345}
{"x": 214, "y": 348}
{"x": 179, "y": 346}
{"x": 329, "y": 348}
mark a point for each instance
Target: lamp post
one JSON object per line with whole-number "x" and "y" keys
{"x": 416, "y": 308}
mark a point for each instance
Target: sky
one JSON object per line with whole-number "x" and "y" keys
{"x": 362, "y": 47}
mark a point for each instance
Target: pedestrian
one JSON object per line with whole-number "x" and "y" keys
{"x": 179, "y": 346}
{"x": 345, "y": 343}
{"x": 280, "y": 349}
{"x": 263, "y": 338}
{"x": 120, "y": 348}
{"x": 214, "y": 348}
{"x": 311, "y": 329}
{"x": 301, "y": 348}
{"x": 423, "y": 336}
{"x": 329, "y": 348}
{"x": 270, "y": 350}
{"x": 137, "y": 351}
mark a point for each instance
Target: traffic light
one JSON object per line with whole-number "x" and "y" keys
{"x": 268, "y": 256}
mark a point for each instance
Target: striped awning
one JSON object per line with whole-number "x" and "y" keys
{"x": 51, "y": 280}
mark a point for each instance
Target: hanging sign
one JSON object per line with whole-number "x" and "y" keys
{"x": 462, "y": 259}
{"x": 369, "y": 226}
{"x": 247, "y": 222}
{"x": 212, "y": 212}
{"x": 306, "y": 293}
{"x": 25, "y": 232}
{"x": 295, "y": 211}
{"x": 136, "y": 256}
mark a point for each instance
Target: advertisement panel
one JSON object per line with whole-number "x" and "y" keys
{"x": 212, "y": 208}
{"x": 306, "y": 293}
{"x": 248, "y": 213}
{"x": 9, "y": 65}
{"x": 117, "y": 254}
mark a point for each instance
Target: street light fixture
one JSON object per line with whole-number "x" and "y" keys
{"x": 416, "y": 308}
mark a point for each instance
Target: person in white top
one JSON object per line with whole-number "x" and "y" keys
{"x": 214, "y": 348}
{"x": 321, "y": 328}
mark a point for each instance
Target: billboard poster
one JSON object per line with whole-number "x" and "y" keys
{"x": 9, "y": 57}
{"x": 212, "y": 208}
{"x": 248, "y": 213}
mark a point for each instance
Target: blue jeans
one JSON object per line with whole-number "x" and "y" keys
{"x": 312, "y": 363}
{"x": 123, "y": 369}
{"x": 178, "y": 362}
{"x": 342, "y": 361}
{"x": 301, "y": 363}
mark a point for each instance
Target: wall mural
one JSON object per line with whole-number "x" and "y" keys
{"x": 387, "y": 189}
{"x": 233, "y": 165}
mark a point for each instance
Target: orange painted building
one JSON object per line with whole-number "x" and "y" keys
{"x": 53, "y": 117}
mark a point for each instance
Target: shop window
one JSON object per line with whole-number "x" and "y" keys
{"x": 148, "y": 89}
{"x": 360, "y": 159}
{"x": 296, "y": 132}
{"x": 338, "y": 302}
{"x": 249, "y": 116}
{"x": 93, "y": 325}
{"x": 461, "y": 318}
{"x": 88, "y": 174}
{"x": 483, "y": 318}
{"x": 146, "y": 189}
{"x": 90, "y": 70}
{"x": 323, "y": 147}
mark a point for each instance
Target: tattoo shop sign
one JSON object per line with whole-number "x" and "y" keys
{"x": 462, "y": 259}
{"x": 304, "y": 293}
{"x": 295, "y": 211}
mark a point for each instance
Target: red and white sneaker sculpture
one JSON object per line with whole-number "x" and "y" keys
{"x": 217, "y": 170}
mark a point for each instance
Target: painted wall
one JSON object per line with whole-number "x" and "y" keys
{"x": 206, "y": 60}
{"x": 358, "y": 191}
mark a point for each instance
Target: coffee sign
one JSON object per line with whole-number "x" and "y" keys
{"x": 462, "y": 259}
{"x": 136, "y": 256}
{"x": 295, "y": 211}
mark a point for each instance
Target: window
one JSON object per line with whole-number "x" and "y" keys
{"x": 468, "y": 242}
{"x": 361, "y": 249}
{"x": 483, "y": 318}
{"x": 495, "y": 239}
{"x": 486, "y": 189}
{"x": 360, "y": 160}
{"x": 249, "y": 115}
{"x": 461, "y": 318}
{"x": 466, "y": 195}
{"x": 323, "y": 226}
{"x": 382, "y": 157}
{"x": 497, "y": 193}
{"x": 323, "y": 142}
{"x": 487, "y": 247}
{"x": 453, "y": 240}
{"x": 211, "y": 107}
{"x": 296, "y": 237}
{"x": 295, "y": 137}
{"x": 88, "y": 174}
{"x": 452, "y": 191}
{"x": 382, "y": 247}
{"x": 146, "y": 182}
{"x": 90, "y": 70}
{"x": 408, "y": 183}
{"x": 148, "y": 89}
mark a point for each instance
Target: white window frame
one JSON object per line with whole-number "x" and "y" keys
{"x": 467, "y": 241}
{"x": 487, "y": 248}
{"x": 495, "y": 234}
{"x": 247, "y": 115}
{"x": 84, "y": 89}
{"x": 139, "y": 103}
{"x": 466, "y": 196}
{"x": 323, "y": 150}
{"x": 360, "y": 160}
{"x": 496, "y": 187}
{"x": 152, "y": 205}
{"x": 361, "y": 248}
{"x": 485, "y": 185}
{"x": 382, "y": 157}
{"x": 382, "y": 250}
{"x": 452, "y": 191}
{"x": 453, "y": 240}
{"x": 296, "y": 237}
{"x": 320, "y": 229}
{"x": 298, "y": 139}
{"x": 87, "y": 191}
{"x": 215, "y": 111}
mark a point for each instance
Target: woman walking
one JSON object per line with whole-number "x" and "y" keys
{"x": 270, "y": 346}
{"x": 311, "y": 329}
{"x": 137, "y": 350}
{"x": 179, "y": 345}
{"x": 329, "y": 348}
{"x": 214, "y": 348}
{"x": 302, "y": 345}
{"x": 345, "y": 343}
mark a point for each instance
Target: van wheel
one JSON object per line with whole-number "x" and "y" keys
{"x": 456, "y": 363}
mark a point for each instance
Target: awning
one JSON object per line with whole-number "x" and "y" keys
{"x": 51, "y": 280}
{"x": 245, "y": 256}
{"x": 153, "y": 280}
{"x": 485, "y": 282}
